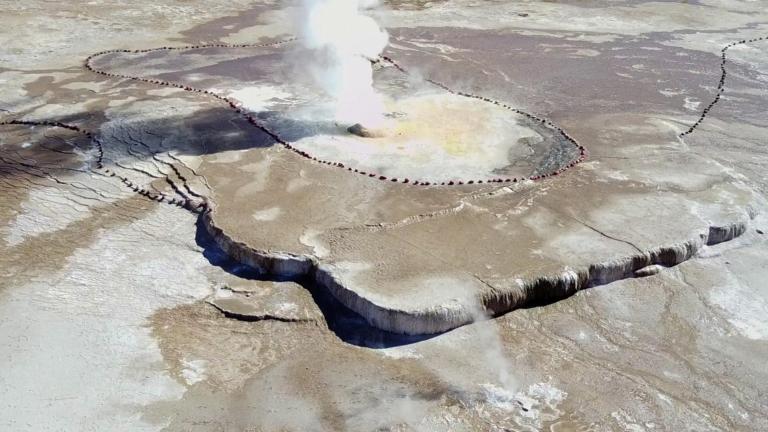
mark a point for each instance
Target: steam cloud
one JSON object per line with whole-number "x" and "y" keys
{"x": 342, "y": 40}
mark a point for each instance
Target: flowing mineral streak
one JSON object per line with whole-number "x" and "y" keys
{"x": 343, "y": 41}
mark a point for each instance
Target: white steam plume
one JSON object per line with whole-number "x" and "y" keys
{"x": 342, "y": 39}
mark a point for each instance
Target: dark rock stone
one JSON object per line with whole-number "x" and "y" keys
{"x": 362, "y": 131}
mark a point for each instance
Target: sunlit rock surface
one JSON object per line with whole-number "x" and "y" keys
{"x": 208, "y": 278}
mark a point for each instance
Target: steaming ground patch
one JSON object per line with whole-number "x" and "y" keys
{"x": 437, "y": 136}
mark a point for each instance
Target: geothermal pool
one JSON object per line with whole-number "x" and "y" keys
{"x": 428, "y": 134}
{"x": 437, "y": 136}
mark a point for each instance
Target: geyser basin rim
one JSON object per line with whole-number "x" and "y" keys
{"x": 437, "y": 135}
{"x": 237, "y": 108}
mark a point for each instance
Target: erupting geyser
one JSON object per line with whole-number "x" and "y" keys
{"x": 344, "y": 41}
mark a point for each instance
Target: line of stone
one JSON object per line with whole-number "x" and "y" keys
{"x": 721, "y": 83}
{"x": 233, "y": 104}
{"x": 185, "y": 203}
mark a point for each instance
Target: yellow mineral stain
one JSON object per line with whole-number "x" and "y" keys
{"x": 449, "y": 122}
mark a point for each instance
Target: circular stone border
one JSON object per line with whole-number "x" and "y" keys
{"x": 250, "y": 118}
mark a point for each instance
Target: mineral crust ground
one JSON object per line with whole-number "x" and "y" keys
{"x": 563, "y": 228}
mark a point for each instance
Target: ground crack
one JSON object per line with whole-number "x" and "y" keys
{"x": 259, "y": 317}
{"x": 627, "y": 242}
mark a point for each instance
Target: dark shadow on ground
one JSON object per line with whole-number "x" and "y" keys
{"x": 40, "y": 151}
{"x": 203, "y": 132}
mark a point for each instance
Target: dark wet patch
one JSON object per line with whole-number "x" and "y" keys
{"x": 36, "y": 157}
{"x": 567, "y": 80}
{"x": 219, "y": 28}
{"x": 552, "y": 75}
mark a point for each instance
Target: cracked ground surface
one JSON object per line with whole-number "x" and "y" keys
{"x": 121, "y": 312}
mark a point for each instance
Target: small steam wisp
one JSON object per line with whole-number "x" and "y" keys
{"x": 343, "y": 40}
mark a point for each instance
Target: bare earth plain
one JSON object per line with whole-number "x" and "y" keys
{"x": 564, "y": 229}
